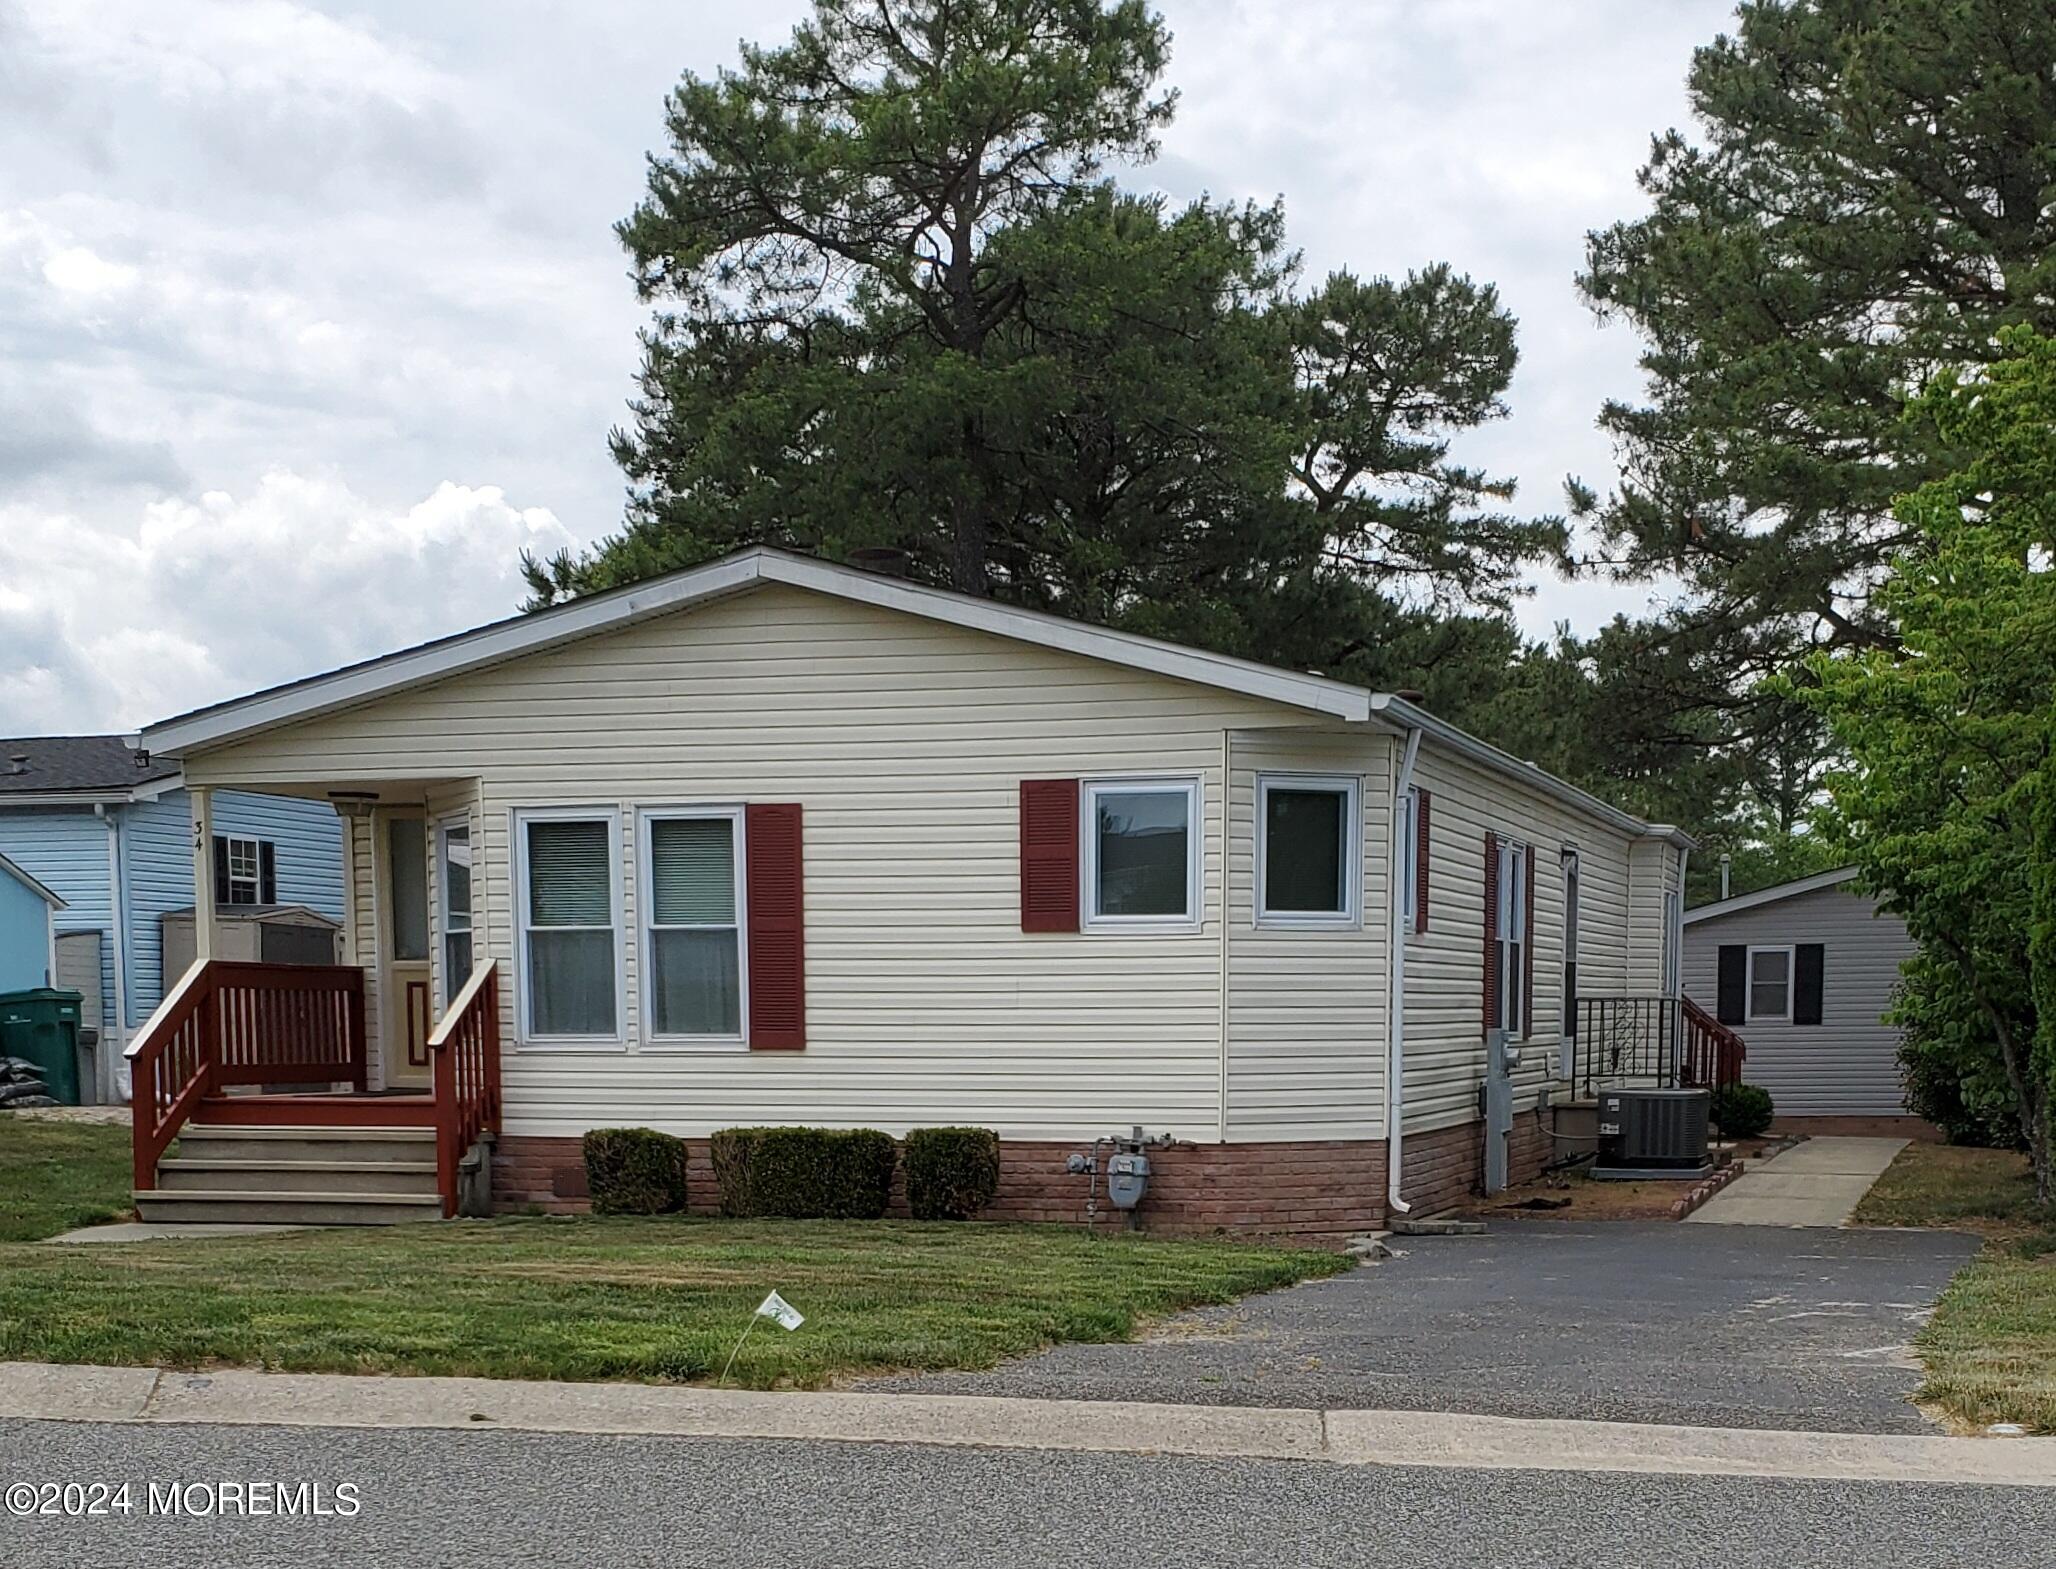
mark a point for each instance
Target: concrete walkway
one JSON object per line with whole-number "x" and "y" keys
{"x": 1818, "y": 1183}
{"x": 1350, "y": 1438}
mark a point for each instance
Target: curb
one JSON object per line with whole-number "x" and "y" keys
{"x": 1357, "y": 1438}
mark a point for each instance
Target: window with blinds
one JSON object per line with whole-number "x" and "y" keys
{"x": 692, "y": 927}
{"x": 570, "y": 908}
{"x": 456, "y": 906}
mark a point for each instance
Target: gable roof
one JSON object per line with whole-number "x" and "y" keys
{"x": 1772, "y": 894}
{"x": 30, "y": 883}
{"x": 79, "y": 766}
{"x": 222, "y": 723}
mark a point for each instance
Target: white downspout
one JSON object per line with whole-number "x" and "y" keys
{"x": 114, "y": 1063}
{"x": 1395, "y": 992}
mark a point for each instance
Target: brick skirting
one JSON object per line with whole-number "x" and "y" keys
{"x": 1330, "y": 1188}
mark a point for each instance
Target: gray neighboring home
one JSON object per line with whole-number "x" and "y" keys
{"x": 1804, "y": 971}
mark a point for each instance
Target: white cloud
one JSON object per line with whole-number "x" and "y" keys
{"x": 351, "y": 265}
{"x": 197, "y": 600}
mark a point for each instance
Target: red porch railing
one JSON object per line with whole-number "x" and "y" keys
{"x": 466, "y": 1049}
{"x": 1712, "y": 1053}
{"x": 228, "y": 1023}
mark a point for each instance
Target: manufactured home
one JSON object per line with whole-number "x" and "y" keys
{"x": 1803, "y": 972}
{"x": 778, "y": 841}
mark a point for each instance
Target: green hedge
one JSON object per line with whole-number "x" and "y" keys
{"x": 634, "y": 1171}
{"x": 952, "y": 1173}
{"x": 1741, "y": 1111}
{"x": 804, "y": 1173}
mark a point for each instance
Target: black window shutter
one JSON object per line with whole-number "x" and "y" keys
{"x": 1806, "y": 982}
{"x": 267, "y": 872}
{"x": 1732, "y": 1005}
{"x": 221, "y": 869}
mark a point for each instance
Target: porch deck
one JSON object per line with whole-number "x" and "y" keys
{"x": 264, "y": 1067}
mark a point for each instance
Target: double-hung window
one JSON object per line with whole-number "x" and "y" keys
{"x": 570, "y": 913}
{"x": 456, "y": 906}
{"x": 1770, "y": 983}
{"x": 1307, "y": 850}
{"x": 1141, "y": 854}
{"x": 1512, "y": 937}
{"x": 692, "y": 901}
{"x": 244, "y": 870}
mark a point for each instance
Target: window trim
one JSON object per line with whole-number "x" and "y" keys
{"x": 524, "y": 1037}
{"x": 1749, "y": 1013}
{"x": 1515, "y": 855}
{"x": 1089, "y": 918}
{"x": 646, "y": 927}
{"x": 1350, "y": 788}
{"x": 440, "y": 943}
{"x": 229, "y": 878}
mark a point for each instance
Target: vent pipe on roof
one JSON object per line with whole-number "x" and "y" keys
{"x": 18, "y": 763}
{"x": 884, "y": 560}
{"x": 1409, "y": 694}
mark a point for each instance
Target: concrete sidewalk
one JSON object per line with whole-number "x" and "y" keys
{"x": 1818, "y": 1183}
{"x": 1360, "y": 1438}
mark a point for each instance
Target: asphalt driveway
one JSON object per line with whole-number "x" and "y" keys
{"x": 1715, "y": 1326}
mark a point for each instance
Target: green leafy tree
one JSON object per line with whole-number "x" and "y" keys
{"x": 898, "y": 306}
{"x": 1949, "y": 802}
{"x": 1865, "y": 205}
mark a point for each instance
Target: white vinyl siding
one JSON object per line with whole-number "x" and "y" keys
{"x": 1847, "y": 1065}
{"x": 1306, "y": 1003}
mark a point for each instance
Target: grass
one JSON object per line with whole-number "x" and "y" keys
{"x": 55, "y": 1176}
{"x": 1990, "y": 1349}
{"x": 656, "y": 1299}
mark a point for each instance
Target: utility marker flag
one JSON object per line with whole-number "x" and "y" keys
{"x": 775, "y": 1306}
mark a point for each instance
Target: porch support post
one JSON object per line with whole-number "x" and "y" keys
{"x": 202, "y": 799}
{"x": 351, "y": 955}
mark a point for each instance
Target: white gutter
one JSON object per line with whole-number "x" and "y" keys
{"x": 1395, "y": 990}
{"x": 112, "y": 1090}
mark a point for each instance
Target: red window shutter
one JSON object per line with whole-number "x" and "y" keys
{"x": 1049, "y": 855}
{"x": 777, "y": 936}
{"x": 1528, "y": 943}
{"x": 1422, "y": 816}
{"x": 1491, "y": 931}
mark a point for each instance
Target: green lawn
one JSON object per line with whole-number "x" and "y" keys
{"x": 55, "y": 1176}
{"x": 661, "y": 1298}
{"x": 1990, "y": 1350}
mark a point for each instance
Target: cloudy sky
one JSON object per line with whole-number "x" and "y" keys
{"x": 311, "y": 317}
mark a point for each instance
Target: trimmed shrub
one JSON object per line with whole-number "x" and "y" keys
{"x": 952, "y": 1173}
{"x": 1741, "y": 1111}
{"x": 634, "y": 1171}
{"x": 804, "y": 1173}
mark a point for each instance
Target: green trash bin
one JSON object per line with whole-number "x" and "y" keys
{"x": 42, "y": 1025}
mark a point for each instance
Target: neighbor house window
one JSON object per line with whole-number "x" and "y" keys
{"x": 1511, "y": 930}
{"x": 244, "y": 870}
{"x": 570, "y": 909}
{"x": 692, "y": 924}
{"x": 456, "y": 907}
{"x": 1770, "y": 983}
{"x": 1307, "y": 855}
{"x": 1141, "y": 861}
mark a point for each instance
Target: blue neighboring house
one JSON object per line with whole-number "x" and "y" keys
{"x": 28, "y": 936}
{"x": 111, "y": 838}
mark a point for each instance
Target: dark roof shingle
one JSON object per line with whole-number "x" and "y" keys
{"x": 85, "y": 764}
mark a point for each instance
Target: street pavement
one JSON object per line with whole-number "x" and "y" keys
{"x": 461, "y": 1499}
{"x": 1716, "y": 1326}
